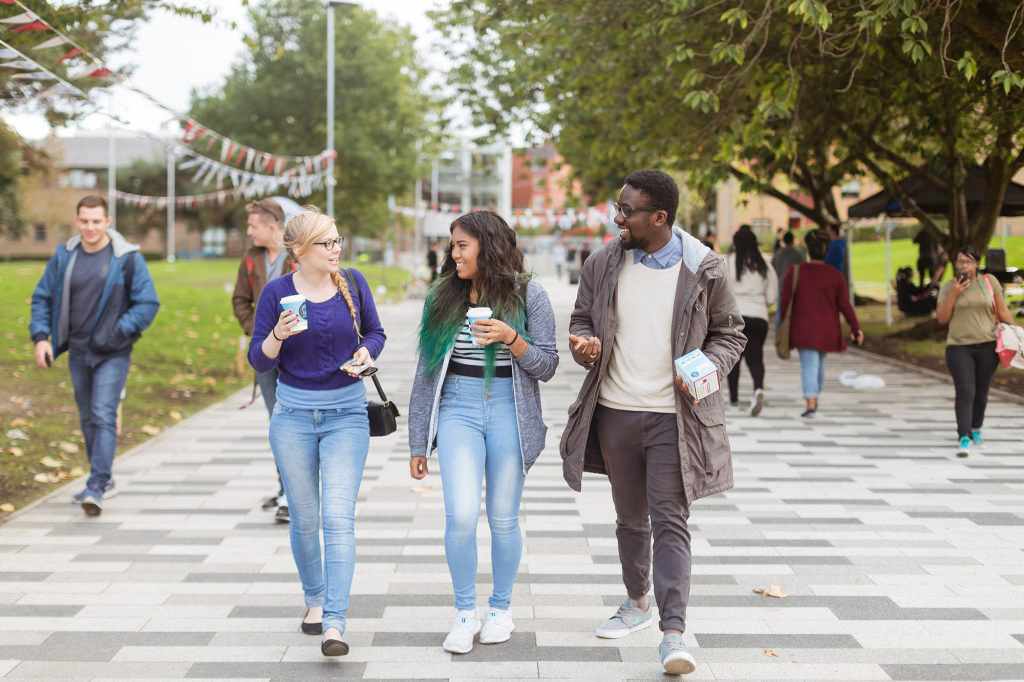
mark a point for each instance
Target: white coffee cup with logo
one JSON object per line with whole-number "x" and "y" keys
{"x": 474, "y": 314}
{"x": 297, "y": 305}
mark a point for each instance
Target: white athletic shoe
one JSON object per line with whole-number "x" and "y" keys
{"x": 498, "y": 627}
{"x": 460, "y": 639}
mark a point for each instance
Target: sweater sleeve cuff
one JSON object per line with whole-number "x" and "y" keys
{"x": 39, "y": 336}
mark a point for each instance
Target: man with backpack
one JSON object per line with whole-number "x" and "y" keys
{"x": 267, "y": 259}
{"x": 94, "y": 300}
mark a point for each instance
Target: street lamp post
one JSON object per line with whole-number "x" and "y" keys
{"x": 331, "y": 4}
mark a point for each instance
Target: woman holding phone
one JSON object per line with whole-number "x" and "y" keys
{"x": 319, "y": 432}
{"x": 971, "y": 305}
{"x": 476, "y": 399}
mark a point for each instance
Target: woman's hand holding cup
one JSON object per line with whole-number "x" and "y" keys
{"x": 488, "y": 331}
{"x": 285, "y": 323}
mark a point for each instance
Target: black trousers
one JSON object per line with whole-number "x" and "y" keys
{"x": 756, "y": 330}
{"x": 972, "y": 367}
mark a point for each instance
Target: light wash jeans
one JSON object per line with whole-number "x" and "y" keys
{"x": 812, "y": 371}
{"x": 328, "y": 447}
{"x": 98, "y": 383}
{"x": 477, "y": 436}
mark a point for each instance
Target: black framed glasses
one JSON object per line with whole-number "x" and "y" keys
{"x": 627, "y": 211}
{"x": 332, "y": 244}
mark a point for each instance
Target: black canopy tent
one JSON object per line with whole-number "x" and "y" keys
{"x": 931, "y": 200}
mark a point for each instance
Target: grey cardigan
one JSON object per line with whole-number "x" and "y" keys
{"x": 538, "y": 363}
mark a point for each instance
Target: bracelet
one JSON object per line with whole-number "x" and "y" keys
{"x": 516, "y": 338}
{"x": 273, "y": 330}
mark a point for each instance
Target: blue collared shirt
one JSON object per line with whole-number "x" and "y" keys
{"x": 665, "y": 257}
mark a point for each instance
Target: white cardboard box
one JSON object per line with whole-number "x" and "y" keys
{"x": 698, "y": 373}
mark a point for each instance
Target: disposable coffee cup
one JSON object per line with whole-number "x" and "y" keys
{"x": 474, "y": 314}
{"x": 297, "y": 305}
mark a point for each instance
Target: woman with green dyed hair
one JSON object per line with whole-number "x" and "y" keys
{"x": 476, "y": 400}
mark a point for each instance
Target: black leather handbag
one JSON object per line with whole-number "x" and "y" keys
{"x": 383, "y": 415}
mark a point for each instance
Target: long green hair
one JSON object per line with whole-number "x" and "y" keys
{"x": 500, "y": 284}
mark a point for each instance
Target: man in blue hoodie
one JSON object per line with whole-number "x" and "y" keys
{"x": 94, "y": 299}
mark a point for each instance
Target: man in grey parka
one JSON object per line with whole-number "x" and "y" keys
{"x": 650, "y": 296}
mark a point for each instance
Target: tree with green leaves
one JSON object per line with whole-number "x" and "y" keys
{"x": 756, "y": 90}
{"x": 274, "y": 99}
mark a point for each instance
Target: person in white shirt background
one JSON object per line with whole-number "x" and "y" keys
{"x": 756, "y": 289}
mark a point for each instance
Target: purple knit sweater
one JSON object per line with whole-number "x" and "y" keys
{"x": 311, "y": 359}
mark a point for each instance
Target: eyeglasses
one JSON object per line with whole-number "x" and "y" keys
{"x": 332, "y": 244}
{"x": 627, "y": 211}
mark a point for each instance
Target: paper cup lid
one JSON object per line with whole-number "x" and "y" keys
{"x": 294, "y": 298}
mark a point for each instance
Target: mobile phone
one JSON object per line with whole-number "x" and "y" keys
{"x": 48, "y": 359}
{"x": 361, "y": 370}
{"x": 960, "y": 276}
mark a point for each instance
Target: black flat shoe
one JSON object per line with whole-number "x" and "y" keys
{"x": 311, "y": 628}
{"x": 333, "y": 647}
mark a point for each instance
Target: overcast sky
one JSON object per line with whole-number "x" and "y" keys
{"x": 173, "y": 55}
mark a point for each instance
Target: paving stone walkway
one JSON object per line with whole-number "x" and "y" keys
{"x": 899, "y": 561}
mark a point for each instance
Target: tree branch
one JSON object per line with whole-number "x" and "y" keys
{"x": 892, "y": 157}
{"x": 815, "y": 215}
{"x": 908, "y": 202}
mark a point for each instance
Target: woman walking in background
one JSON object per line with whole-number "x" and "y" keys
{"x": 814, "y": 329}
{"x": 755, "y": 288}
{"x": 971, "y": 305}
{"x": 319, "y": 431}
{"x": 476, "y": 399}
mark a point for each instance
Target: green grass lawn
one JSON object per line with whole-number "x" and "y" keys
{"x": 185, "y": 361}
{"x": 868, "y": 262}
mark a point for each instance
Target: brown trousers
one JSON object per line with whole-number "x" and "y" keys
{"x": 641, "y": 453}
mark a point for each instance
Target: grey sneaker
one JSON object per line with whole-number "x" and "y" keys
{"x": 92, "y": 504}
{"x": 109, "y": 491}
{"x": 628, "y": 619}
{"x": 674, "y": 657}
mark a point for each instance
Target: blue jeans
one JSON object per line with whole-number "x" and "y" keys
{"x": 478, "y": 435}
{"x": 267, "y": 382}
{"x": 328, "y": 448}
{"x": 98, "y": 383}
{"x": 812, "y": 371}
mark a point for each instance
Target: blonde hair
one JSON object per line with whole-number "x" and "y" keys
{"x": 300, "y": 234}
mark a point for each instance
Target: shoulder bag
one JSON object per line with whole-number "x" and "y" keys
{"x": 383, "y": 415}
{"x": 782, "y": 348}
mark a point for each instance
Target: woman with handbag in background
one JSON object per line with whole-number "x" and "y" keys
{"x": 972, "y": 306}
{"x": 319, "y": 432}
{"x": 818, "y": 293}
{"x": 476, "y": 399}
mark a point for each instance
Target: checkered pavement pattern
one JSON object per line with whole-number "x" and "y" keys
{"x": 897, "y": 560}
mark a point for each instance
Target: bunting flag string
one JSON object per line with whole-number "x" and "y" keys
{"x": 564, "y": 218}
{"x": 193, "y": 201}
{"x": 296, "y": 181}
{"x": 33, "y": 70}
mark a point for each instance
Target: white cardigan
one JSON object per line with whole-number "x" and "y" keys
{"x": 754, "y": 293}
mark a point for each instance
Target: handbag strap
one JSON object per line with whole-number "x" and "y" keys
{"x": 992, "y": 293}
{"x": 359, "y": 309}
{"x": 380, "y": 389}
{"x": 792, "y": 294}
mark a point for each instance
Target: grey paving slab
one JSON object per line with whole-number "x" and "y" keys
{"x": 899, "y": 560}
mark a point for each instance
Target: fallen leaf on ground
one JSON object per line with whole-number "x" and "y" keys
{"x": 210, "y": 381}
{"x": 17, "y": 434}
{"x": 769, "y": 652}
{"x": 18, "y": 421}
{"x": 422, "y": 490}
{"x": 6, "y": 507}
{"x": 176, "y": 416}
{"x": 67, "y": 447}
{"x": 41, "y": 478}
{"x": 150, "y": 430}
{"x": 16, "y": 452}
{"x": 51, "y": 462}
{"x": 772, "y": 591}
{"x": 77, "y": 471}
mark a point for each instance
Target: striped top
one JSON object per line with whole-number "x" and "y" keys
{"x": 468, "y": 357}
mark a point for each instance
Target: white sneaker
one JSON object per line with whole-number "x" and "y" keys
{"x": 757, "y": 403}
{"x": 498, "y": 627}
{"x": 460, "y": 639}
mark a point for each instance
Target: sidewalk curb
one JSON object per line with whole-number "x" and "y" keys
{"x": 942, "y": 376}
{"x": 80, "y": 481}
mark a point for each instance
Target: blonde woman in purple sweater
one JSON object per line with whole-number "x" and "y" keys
{"x": 319, "y": 431}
